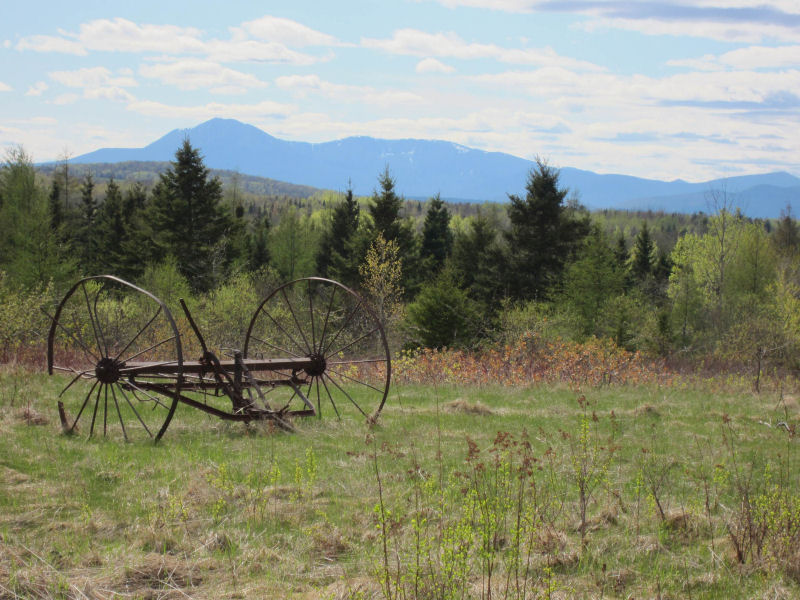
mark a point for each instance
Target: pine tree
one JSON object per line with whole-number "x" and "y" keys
{"x": 385, "y": 208}
{"x": 545, "y": 232}
{"x": 337, "y": 256}
{"x": 643, "y": 254}
{"x": 258, "y": 244}
{"x": 188, "y": 220}
{"x": 437, "y": 239}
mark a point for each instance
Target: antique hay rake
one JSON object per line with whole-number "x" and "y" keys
{"x": 313, "y": 346}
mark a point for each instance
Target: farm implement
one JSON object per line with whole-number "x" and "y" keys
{"x": 313, "y": 347}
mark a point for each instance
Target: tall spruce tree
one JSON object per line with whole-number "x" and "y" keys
{"x": 189, "y": 221}
{"x": 545, "y": 232}
{"x": 385, "y": 208}
{"x": 643, "y": 254}
{"x": 437, "y": 239}
{"x": 338, "y": 256}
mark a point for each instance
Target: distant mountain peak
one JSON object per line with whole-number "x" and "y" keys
{"x": 422, "y": 168}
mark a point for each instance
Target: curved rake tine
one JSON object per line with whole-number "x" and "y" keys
{"x": 341, "y": 389}
{"x": 274, "y": 347}
{"x": 150, "y": 348}
{"x": 325, "y": 324}
{"x": 94, "y": 414}
{"x": 344, "y": 325}
{"x": 74, "y": 379}
{"x": 294, "y": 317}
{"x": 366, "y": 335}
{"x": 354, "y": 380}
{"x": 330, "y": 397}
{"x": 278, "y": 325}
{"x": 70, "y": 334}
{"x": 136, "y": 337}
{"x": 133, "y": 408}
{"x": 100, "y": 347}
{"x": 85, "y": 402}
{"x": 119, "y": 414}
{"x": 153, "y": 398}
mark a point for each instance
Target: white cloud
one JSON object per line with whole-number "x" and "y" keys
{"x": 304, "y": 85}
{"x": 243, "y": 50}
{"x": 37, "y": 89}
{"x": 287, "y": 32}
{"x": 413, "y": 42}
{"x": 261, "y": 110}
{"x": 4, "y": 87}
{"x": 431, "y": 65}
{"x": 49, "y": 43}
{"x": 749, "y": 58}
{"x": 91, "y": 77}
{"x": 192, "y": 74}
{"x": 122, "y": 35}
{"x": 64, "y": 99}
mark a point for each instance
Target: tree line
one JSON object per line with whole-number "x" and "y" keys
{"x": 541, "y": 265}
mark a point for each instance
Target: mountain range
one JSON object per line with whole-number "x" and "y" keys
{"x": 423, "y": 168}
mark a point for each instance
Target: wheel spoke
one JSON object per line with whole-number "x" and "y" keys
{"x": 278, "y": 325}
{"x": 133, "y": 408}
{"x": 311, "y": 316}
{"x": 351, "y": 344}
{"x": 274, "y": 347}
{"x": 296, "y": 322}
{"x": 78, "y": 341}
{"x": 154, "y": 346}
{"x": 150, "y": 322}
{"x": 105, "y": 411}
{"x": 74, "y": 379}
{"x": 85, "y": 402}
{"x": 319, "y": 404}
{"x": 119, "y": 414}
{"x": 97, "y": 318}
{"x": 94, "y": 325}
{"x": 330, "y": 397}
{"x": 341, "y": 389}
{"x": 354, "y": 380}
{"x": 342, "y": 328}
{"x": 94, "y": 414}
{"x": 325, "y": 324}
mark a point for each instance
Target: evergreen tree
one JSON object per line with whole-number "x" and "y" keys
{"x": 56, "y": 209}
{"x": 111, "y": 235}
{"x": 258, "y": 244}
{"x": 545, "y": 232}
{"x": 643, "y": 255}
{"x": 437, "y": 239}
{"x": 479, "y": 262}
{"x": 189, "y": 221}
{"x": 30, "y": 254}
{"x": 591, "y": 281}
{"x": 786, "y": 237}
{"x": 385, "y": 208}
{"x": 88, "y": 248}
{"x": 338, "y": 256}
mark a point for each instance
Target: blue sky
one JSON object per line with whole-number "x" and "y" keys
{"x": 660, "y": 89}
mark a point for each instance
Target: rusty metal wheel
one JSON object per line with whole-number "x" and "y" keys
{"x": 101, "y": 333}
{"x": 327, "y": 322}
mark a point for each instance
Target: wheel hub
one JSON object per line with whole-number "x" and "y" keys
{"x": 317, "y": 366}
{"x": 107, "y": 370}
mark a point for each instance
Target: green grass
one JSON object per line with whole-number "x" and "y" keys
{"x": 225, "y": 510}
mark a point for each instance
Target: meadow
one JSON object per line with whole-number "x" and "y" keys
{"x": 571, "y": 487}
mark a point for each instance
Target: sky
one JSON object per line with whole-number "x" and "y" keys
{"x": 662, "y": 89}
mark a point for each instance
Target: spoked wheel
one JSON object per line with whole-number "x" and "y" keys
{"x": 321, "y": 320}
{"x": 119, "y": 352}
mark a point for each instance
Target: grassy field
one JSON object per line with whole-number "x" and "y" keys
{"x": 458, "y": 492}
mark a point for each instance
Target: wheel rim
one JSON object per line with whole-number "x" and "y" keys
{"x": 102, "y": 330}
{"x": 324, "y": 321}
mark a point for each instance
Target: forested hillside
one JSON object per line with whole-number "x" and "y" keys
{"x": 715, "y": 288}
